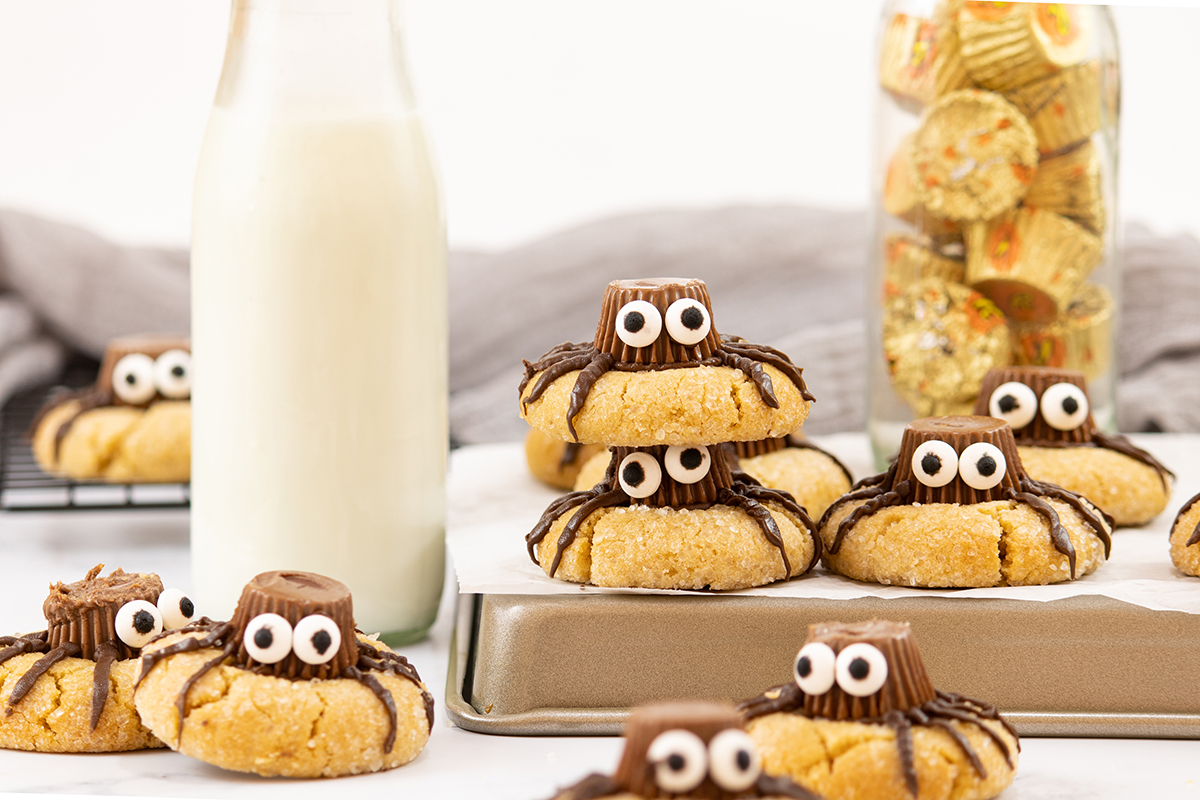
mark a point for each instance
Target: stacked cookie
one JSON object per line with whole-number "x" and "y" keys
{"x": 663, "y": 390}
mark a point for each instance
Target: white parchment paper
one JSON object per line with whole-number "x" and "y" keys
{"x": 494, "y": 501}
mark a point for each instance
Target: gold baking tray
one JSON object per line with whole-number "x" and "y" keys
{"x": 574, "y": 665}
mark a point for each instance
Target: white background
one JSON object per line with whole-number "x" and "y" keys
{"x": 544, "y": 112}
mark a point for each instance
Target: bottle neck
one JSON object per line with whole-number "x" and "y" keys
{"x": 315, "y": 58}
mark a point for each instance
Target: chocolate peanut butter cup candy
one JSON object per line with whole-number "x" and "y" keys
{"x": 956, "y": 509}
{"x": 218, "y": 690}
{"x": 1050, "y": 414}
{"x": 864, "y": 685}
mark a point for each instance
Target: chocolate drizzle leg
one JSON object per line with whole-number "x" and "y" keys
{"x": 106, "y": 654}
{"x": 39, "y": 668}
{"x": 14, "y": 646}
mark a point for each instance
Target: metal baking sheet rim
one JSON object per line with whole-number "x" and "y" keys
{"x": 610, "y": 721}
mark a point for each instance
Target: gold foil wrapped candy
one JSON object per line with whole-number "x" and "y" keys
{"x": 919, "y": 59}
{"x": 1006, "y": 45}
{"x": 908, "y": 260}
{"x": 1080, "y": 339}
{"x": 1063, "y": 108}
{"x": 1069, "y": 185}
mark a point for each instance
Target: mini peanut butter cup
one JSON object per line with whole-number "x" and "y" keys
{"x": 1038, "y": 432}
{"x": 84, "y": 612}
{"x": 672, "y": 493}
{"x": 635, "y": 772}
{"x": 294, "y": 596}
{"x": 759, "y": 448}
{"x": 152, "y": 345}
{"x": 660, "y": 293}
{"x": 959, "y": 433}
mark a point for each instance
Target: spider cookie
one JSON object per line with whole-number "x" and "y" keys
{"x": 134, "y": 425}
{"x": 684, "y": 750}
{"x": 813, "y": 476}
{"x": 1049, "y": 413}
{"x": 1185, "y": 537}
{"x": 956, "y": 509}
{"x": 69, "y": 688}
{"x": 675, "y": 517}
{"x": 657, "y": 373}
{"x": 557, "y": 463}
{"x": 862, "y": 720}
{"x": 288, "y": 687}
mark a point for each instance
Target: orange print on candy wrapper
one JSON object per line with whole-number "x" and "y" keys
{"x": 924, "y": 48}
{"x": 1059, "y": 22}
{"x": 988, "y": 11}
{"x": 1041, "y": 350}
{"x": 1003, "y": 247}
{"x": 982, "y": 314}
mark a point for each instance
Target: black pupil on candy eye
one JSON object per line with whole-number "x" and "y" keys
{"x": 931, "y": 464}
{"x": 143, "y": 622}
{"x": 634, "y": 321}
{"x": 986, "y": 466}
{"x": 263, "y": 638}
{"x": 859, "y": 669}
{"x": 130, "y": 378}
{"x": 633, "y": 474}
{"x": 692, "y": 318}
{"x": 675, "y": 762}
{"x": 1070, "y": 405}
{"x": 804, "y": 667}
{"x": 1008, "y": 404}
{"x": 691, "y": 458}
{"x": 177, "y": 371}
{"x": 321, "y": 641}
{"x": 743, "y": 760}
{"x": 186, "y": 608}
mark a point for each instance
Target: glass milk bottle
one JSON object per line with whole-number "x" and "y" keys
{"x": 319, "y": 317}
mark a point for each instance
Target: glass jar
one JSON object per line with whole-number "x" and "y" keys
{"x": 995, "y": 237}
{"x": 319, "y": 317}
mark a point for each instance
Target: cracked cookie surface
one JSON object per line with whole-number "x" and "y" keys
{"x": 272, "y": 726}
{"x": 998, "y": 543}
{"x": 1132, "y": 492}
{"x": 118, "y": 443}
{"x": 690, "y": 406}
{"x": 55, "y": 717}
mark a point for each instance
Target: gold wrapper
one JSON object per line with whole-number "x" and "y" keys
{"x": 939, "y": 340}
{"x": 1030, "y": 262}
{"x": 900, "y": 199}
{"x": 1081, "y": 339}
{"x": 919, "y": 59}
{"x": 973, "y": 156}
{"x": 1069, "y": 185}
{"x": 907, "y": 261}
{"x": 1006, "y": 45}
{"x": 1064, "y": 108}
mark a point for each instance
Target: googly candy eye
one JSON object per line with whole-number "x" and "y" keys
{"x": 1015, "y": 403}
{"x": 935, "y": 463}
{"x": 137, "y": 622}
{"x": 133, "y": 378}
{"x": 268, "y": 638}
{"x": 316, "y": 639}
{"x": 176, "y": 609}
{"x": 982, "y": 465}
{"x": 861, "y": 669}
{"x": 638, "y": 323}
{"x": 173, "y": 374}
{"x": 687, "y": 463}
{"x": 680, "y": 760}
{"x": 733, "y": 760}
{"x": 1064, "y": 406}
{"x": 640, "y": 475}
{"x": 688, "y": 321}
{"x": 814, "y": 668}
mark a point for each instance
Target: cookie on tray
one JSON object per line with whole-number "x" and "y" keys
{"x": 288, "y": 687}
{"x": 674, "y": 517}
{"x": 69, "y": 688}
{"x": 657, "y": 372}
{"x": 686, "y": 749}
{"x": 1050, "y": 414}
{"x": 862, "y": 720}
{"x": 1185, "y": 537}
{"x": 133, "y": 426}
{"x": 957, "y": 509}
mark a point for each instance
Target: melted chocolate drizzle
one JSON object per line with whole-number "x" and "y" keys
{"x": 1195, "y": 537}
{"x": 106, "y": 654}
{"x": 40, "y": 667}
{"x": 1122, "y": 445}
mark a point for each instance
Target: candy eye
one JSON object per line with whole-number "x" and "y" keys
{"x": 814, "y": 668}
{"x": 640, "y": 475}
{"x": 638, "y": 323}
{"x": 133, "y": 378}
{"x": 316, "y": 639}
{"x": 138, "y": 622}
{"x": 1064, "y": 406}
{"x": 687, "y": 463}
{"x": 935, "y": 463}
{"x": 680, "y": 760}
{"x": 982, "y": 465}
{"x": 733, "y": 760}
{"x": 176, "y": 609}
{"x": 861, "y": 669}
{"x": 173, "y": 374}
{"x": 1015, "y": 403}
{"x": 688, "y": 321}
{"x": 268, "y": 638}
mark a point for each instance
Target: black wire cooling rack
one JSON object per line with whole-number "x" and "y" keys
{"x": 25, "y": 487}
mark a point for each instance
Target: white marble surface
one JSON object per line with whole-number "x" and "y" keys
{"x": 38, "y": 547}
